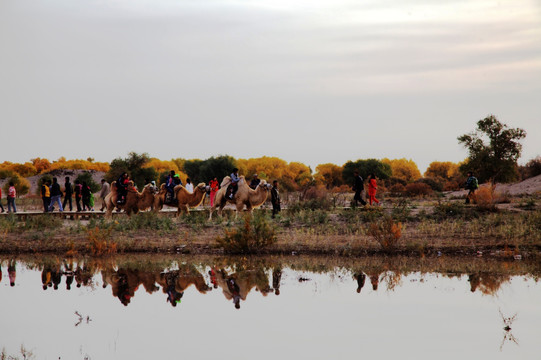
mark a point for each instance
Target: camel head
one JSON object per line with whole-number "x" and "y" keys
{"x": 151, "y": 187}
{"x": 202, "y": 187}
{"x": 265, "y": 185}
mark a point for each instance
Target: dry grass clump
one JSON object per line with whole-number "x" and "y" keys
{"x": 386, "y": 232}
{"x": 251, "y": 237}
{"x": 100, "y": 243}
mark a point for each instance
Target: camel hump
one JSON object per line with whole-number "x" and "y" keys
{"x": 226, "y": 181}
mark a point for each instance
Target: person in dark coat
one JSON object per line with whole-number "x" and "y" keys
{"x": 86, "y": 197}
{"x": 358, "y": 187}
{"x": 68, "y": 192}
{"x": 255, "y": 182}
{"x": 56, "y": 196}
{"x": 78, "y": 194}
{"x": 275, "y": 198}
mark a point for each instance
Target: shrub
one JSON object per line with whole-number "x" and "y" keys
{"x": 397, "y": 189}
{"x": 100, "y": 242}
{"x": 386, "y": 232}
{"x": 418, "y": 189}
{"x": 87, "y": 177}
{"x": 533, "y": 167}
{"x": 434, "y": 183}
{"x": 485, "y": 198}
{"x": 252, "y": 236}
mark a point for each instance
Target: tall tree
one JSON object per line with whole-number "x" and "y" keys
{"x": 365, "y": 168}
{"x": 496, "y": 159}
{"x": 134, "y": 165}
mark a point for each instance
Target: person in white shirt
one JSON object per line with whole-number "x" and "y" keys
{"x": 189, "y": 185}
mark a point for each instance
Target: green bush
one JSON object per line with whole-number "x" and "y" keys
{"x": 252, "y": 236}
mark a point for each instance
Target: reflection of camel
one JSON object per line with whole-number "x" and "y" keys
{"x": 135, "y": 200}
{"x": 237, "y": 286}
{"x": 185, "y": 199}
{"x": 125, "y": 282}
{"x": 245, "y": 196}
{"x": 175, "y": 282}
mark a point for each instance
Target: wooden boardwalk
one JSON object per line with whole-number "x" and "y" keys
{"x": 84, "y": 215}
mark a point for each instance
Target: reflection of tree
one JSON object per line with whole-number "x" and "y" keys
{"x": 487, "y": 283}
{"x": 507, "y": 335}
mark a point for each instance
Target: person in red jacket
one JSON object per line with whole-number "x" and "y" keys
{"x": 372, "y": 188}
{"x": 213, "y": 184}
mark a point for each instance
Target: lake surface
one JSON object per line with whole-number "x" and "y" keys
{"x": 290, "y": 308}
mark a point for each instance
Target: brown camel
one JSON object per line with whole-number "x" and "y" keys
{"x": 245, "y": 196}
{"x": 135, "y": 200}
{"x": 185, "y": 199}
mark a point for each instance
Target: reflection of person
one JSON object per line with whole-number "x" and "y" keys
{"x": 374, "y": 279}
{"x": 372, "y": 188}
{"x": 12, "y": 272}
{"x": 213, "y": 189}
{"x": 276, "y": 277}
{"x": 358, "y": 187}
{"x": 275, "y": 198}
{"x": 360, "y": 277}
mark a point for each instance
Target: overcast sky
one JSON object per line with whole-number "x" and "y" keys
{"x": 314, "y": 81}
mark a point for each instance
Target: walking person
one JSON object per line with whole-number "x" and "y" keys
{"x": 275, "y": 199}
{"x": 86, "y": 193}
{"x": 56, "y": 196}
{"x": 46, "y": 195}
{"x": 472, "y": 185}
{"x": 12, "y": 193}
{"x": 78, "y": 191}
{"x": 105, "y": 190}
{"x": 68, "y": 192}
{"x": 372, "y": 189}
{"x": 214, "y": 186}
{"x": 1, "y": 200}
{"x": 358, "y": 187}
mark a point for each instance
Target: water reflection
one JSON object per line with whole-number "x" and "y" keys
{"x": 364, "y": 300}
{"x": 236, "y": 278}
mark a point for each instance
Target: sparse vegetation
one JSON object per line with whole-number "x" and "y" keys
{"x": 254, "y": 235}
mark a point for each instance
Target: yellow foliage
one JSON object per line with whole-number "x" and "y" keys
{"x": 42, "y": 165}
{"x": 403, "y": 169}
{"x": 162, "y": 165}
{"x": 329, "y": 175}
{"x": 442, "y": 169}
{"x": 291, "y": 176}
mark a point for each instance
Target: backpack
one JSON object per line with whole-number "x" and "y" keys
{"x": 475, "y": 183}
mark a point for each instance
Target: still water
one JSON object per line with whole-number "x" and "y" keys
{"x": 290, "y": 308}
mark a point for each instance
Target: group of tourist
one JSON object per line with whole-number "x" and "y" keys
{"x": 51, "y": 195}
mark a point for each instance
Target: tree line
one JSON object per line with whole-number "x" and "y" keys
{"x": 493, "y": 147}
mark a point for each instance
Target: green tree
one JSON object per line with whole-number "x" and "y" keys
{"x": 87, "y": 178}
{"x": 496, "y": 159}
{"x": 134, "y": 166}
{"x": 365, "y": 168}
{"x": 22, "y": 186}
{"x": 206, "y": 170}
